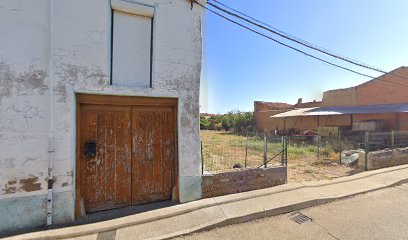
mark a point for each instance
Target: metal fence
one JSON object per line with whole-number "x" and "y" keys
{"x": 259, "y": 150}
{"x": 383, "y": 140}
{"x": 378, "y": 141}
{"x": 347, "y": 146}
{"x": 255, "y": 150}
{"x": 314, "y": 148}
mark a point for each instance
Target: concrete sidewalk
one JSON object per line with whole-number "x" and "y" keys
{"x": 236, "y": 208}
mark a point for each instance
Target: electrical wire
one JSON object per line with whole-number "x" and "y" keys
{"x": 289, "y": 37}
{"x": 282, "y": 43}
{"x": 297, "y": 40}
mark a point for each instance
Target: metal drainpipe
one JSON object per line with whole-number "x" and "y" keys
{"x": 50, "y": 178}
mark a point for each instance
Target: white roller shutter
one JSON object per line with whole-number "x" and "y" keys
{"x": 131, "y": 50}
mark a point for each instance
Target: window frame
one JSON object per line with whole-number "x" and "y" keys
{"x": 138, "y": 9}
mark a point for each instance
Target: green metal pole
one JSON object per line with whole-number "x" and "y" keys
{"x": 366, "y": 146}
{"x": 246, "y": 151}
{"x": 202, "y": 159}
{"x": 340, "y": 146}
{"x": 286, "y": 151}
{"x": 392, "y": 140}
{"x": 265, "y": 150}
{"x": 283, "y": 150}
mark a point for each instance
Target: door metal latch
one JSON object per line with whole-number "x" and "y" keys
{"x": 90, "y": 149}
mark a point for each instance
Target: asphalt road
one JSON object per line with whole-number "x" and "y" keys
{"x": 381, "y": 215}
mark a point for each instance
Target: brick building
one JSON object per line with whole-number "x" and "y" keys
{"x": 382, "y": 102}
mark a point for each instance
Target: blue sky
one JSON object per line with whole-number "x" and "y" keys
{"x": 240, "y": 67}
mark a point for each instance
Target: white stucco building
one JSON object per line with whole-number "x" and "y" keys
{"x": 99, "y": 106}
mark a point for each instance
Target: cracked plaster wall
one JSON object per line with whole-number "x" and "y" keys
{"x": 82, "y": 64}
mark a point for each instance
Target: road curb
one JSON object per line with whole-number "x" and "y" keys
{"x": 273, "y": 212}
{"x": 225, "y": 201}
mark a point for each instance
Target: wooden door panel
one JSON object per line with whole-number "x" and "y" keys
{"x": 105, "y": 179}
{"x": 153, "y": 150}
{"x": 135, "y": 158}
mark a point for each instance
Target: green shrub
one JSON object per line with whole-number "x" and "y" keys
{"x": 239, "y": 122}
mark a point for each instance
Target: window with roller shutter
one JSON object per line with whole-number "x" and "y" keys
{"x": 131, "y": 50}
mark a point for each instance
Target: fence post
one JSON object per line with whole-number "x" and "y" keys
{"x": 340, "y": 146}
{"x": 286, "y": 151}
{"x": 318, "y": 147}
{"x": 283, "y": 150}
{"x": 265, "y": 151}
{"x": 392, "y": 140}
{"x": 246, "y": 150}
{"x": 202, "y": 159}
{"x": 366, "y": 146}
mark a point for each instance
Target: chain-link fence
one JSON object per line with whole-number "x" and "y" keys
{"x": 253, "y": 150}
{"x": 384, "y": 149}
{"x": 347, "y": 147}
{"x": 351, "y": 147}
{"x": 313, "y": 146}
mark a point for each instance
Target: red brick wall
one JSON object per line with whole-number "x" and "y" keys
{"x": 263, "y": 120}
{"x": 265, "y": 106}
{"x": 388, "y": 89}
{"x": 297, "y": 123}
{"x": 308, "y": 104}
{"x": 335, "y": 120}
{"x": 403, "y": 121}
{"x": 300, "y": 124}
{"x": 219, "y": 184}
{"x": 390, "y": 119}
{"x": 340, "y": 97}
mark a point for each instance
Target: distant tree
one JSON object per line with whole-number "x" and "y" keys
{"x": 238, "y": 122}
{"x": 227, "y": 121}
{"x": 215, "y": 122}
{"x": 204, "y": 123}
{"x": 243, "y": 122}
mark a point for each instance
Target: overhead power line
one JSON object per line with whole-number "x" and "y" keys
{"x": 282, "y": 43}
{"x": 279, "y": 32}
{"x": 287, "y": 36}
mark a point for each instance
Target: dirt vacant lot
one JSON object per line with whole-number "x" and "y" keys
{"x": 221, "y": 150}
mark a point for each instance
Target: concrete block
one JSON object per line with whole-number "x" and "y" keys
{"x": 243, "y": 180}
{"x": 189, "y": 188}
{"x": 22, "y": 213}
{"x": 64, "y": 207}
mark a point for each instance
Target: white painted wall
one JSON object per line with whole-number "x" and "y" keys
{"x": 82, "y": 64}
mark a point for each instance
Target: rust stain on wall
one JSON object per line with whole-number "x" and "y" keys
{"x": 30, "y": 184}
{"x": 20, "y": 83}
{"x": 12, "y": 182}
{"x": 9, "y": 187}
{"x": 77, "y": 75}
{"x": 9, "y": 190}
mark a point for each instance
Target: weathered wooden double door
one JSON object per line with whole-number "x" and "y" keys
{"x": 127, "y": 153}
